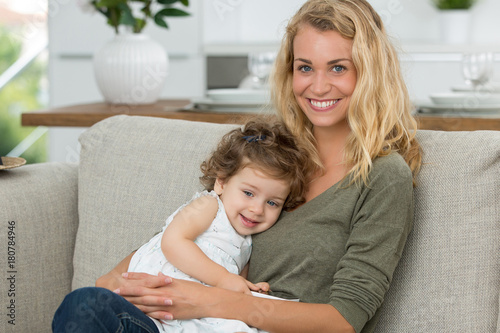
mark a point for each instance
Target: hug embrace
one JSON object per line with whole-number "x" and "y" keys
{"x": 322, "y": 198}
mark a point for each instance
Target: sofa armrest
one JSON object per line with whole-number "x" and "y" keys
{"x": 38, "y": 223}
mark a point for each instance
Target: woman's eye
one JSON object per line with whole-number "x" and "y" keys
{"x": 304, "y": 68}
{"x": 248, "y": 193}
{"x": 338, "y": 68}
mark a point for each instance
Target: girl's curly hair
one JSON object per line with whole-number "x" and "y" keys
{"x": 264, "y": 144}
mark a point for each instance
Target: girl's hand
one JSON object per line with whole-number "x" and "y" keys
{"x": 236, "y": 283}
{"x": 262, "y": 287}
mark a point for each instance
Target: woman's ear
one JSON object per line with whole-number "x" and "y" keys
{"x": 218, "y": 186}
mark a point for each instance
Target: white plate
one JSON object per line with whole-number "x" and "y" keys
{"x": 229, "y": 106}
{"x": 451, "y": 108}
{"x": 466, "y": 100}
{"x": 492, "y": 87}
{"x": 239, "y": 95}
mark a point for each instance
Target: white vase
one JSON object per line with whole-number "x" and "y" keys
{"x": 455, "y": 26}
{"x": 131, "y": 69}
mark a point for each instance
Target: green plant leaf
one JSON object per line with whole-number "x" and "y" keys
{"x": 172, "y": 12}
{"x": 119, "y": 12}
{"x": 160, "y": 21}
{"x": 139, "y": 25}
{"x": 167, "y": 2}
{"x": 453, "y": 4}
{"x": 110, "y": 3}
{"x": 127, "y": 18}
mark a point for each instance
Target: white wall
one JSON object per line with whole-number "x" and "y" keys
{"x": 412, "y": 21}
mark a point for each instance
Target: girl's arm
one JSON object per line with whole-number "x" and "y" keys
{"x": 189, "y": 300}
{"x": 179, "y": 247}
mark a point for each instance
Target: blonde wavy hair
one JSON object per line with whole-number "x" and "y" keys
{"x": 379, "y": 112}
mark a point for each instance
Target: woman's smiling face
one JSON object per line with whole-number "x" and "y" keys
{"x": 324, "y": 76}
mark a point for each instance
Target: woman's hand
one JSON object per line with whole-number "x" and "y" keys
{"x": 147, "y": 292}
{"x": 165, "y": 298}
{"x": 154, "y": 296}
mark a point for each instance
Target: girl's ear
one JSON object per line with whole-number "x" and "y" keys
{"x": 219, "y": 186}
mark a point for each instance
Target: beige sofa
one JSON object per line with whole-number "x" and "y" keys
{"x": 71, "y": 223}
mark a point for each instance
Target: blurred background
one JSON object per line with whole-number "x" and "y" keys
{"x": 47, "y": 49}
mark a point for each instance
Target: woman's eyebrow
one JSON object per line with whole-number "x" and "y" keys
{"x": 331, "y": 62}
{"x": 304, "y": 60}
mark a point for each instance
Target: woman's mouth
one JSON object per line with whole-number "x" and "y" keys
{"x": 325, "y": 104}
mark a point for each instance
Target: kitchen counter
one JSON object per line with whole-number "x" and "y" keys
{"x": 85, "y": 115}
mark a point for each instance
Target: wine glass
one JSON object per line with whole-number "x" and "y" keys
{"x": 477, "y": 68}
{"x": 259, "y": 66}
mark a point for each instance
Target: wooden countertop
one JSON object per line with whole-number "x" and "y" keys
{"x": 86, "y": 115}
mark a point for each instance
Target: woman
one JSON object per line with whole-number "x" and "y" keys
{"x": 338, "y": 87}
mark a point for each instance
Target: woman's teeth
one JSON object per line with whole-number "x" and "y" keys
{"x": 323, "y": 104}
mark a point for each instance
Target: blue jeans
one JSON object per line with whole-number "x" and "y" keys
{"x": 99, "y": 310}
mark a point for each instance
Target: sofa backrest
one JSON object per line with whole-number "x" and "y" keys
{"x": 134, "y": 171}
{"x": 449, "y": 277}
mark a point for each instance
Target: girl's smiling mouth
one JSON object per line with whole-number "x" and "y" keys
{"x": 247, "y": 222}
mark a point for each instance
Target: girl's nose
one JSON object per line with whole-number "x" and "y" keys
{"x": 257, "y": 208}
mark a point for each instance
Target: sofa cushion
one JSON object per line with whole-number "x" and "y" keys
{"x": 134, "y": 172}
{"x": 448, "y": 278}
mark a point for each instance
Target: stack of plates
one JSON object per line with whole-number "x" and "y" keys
{"x": 491, "y": 87}
{"x": 233, "y": 100}
{"x": 464, "y": 100}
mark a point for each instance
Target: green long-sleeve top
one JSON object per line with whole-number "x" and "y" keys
{"x": 342, "y": 247}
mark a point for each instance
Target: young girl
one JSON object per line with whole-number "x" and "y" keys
{"x": 254, "y": 173}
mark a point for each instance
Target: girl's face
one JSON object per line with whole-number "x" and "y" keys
{"x": 324, "y": 76}
{"x": 253, "y": 200}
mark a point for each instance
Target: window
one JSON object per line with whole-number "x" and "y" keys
{"x": 23, "y": 76}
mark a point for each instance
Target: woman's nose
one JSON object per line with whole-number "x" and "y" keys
{"x": 320, "y": 84}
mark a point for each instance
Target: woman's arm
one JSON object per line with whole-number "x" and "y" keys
{"x": 192, "y": 300}
{"x": 179, "y": 247}
{"x": 114, "y": 279}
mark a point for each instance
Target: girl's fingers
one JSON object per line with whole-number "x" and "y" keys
{"x": 263, "y": 286}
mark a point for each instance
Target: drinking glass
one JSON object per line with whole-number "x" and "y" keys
{"x": 477, "y": 68}
{"x": 259, "y": 66}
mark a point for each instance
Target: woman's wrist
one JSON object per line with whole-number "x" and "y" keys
{"x": 108, "y": 281}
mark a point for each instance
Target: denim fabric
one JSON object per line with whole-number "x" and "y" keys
{"x": 99, "y": 310}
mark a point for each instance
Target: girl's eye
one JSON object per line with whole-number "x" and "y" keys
{"x": 248, "y": 193}
{"x": 304, "y": 68}
{"x": 272, "y": 203}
